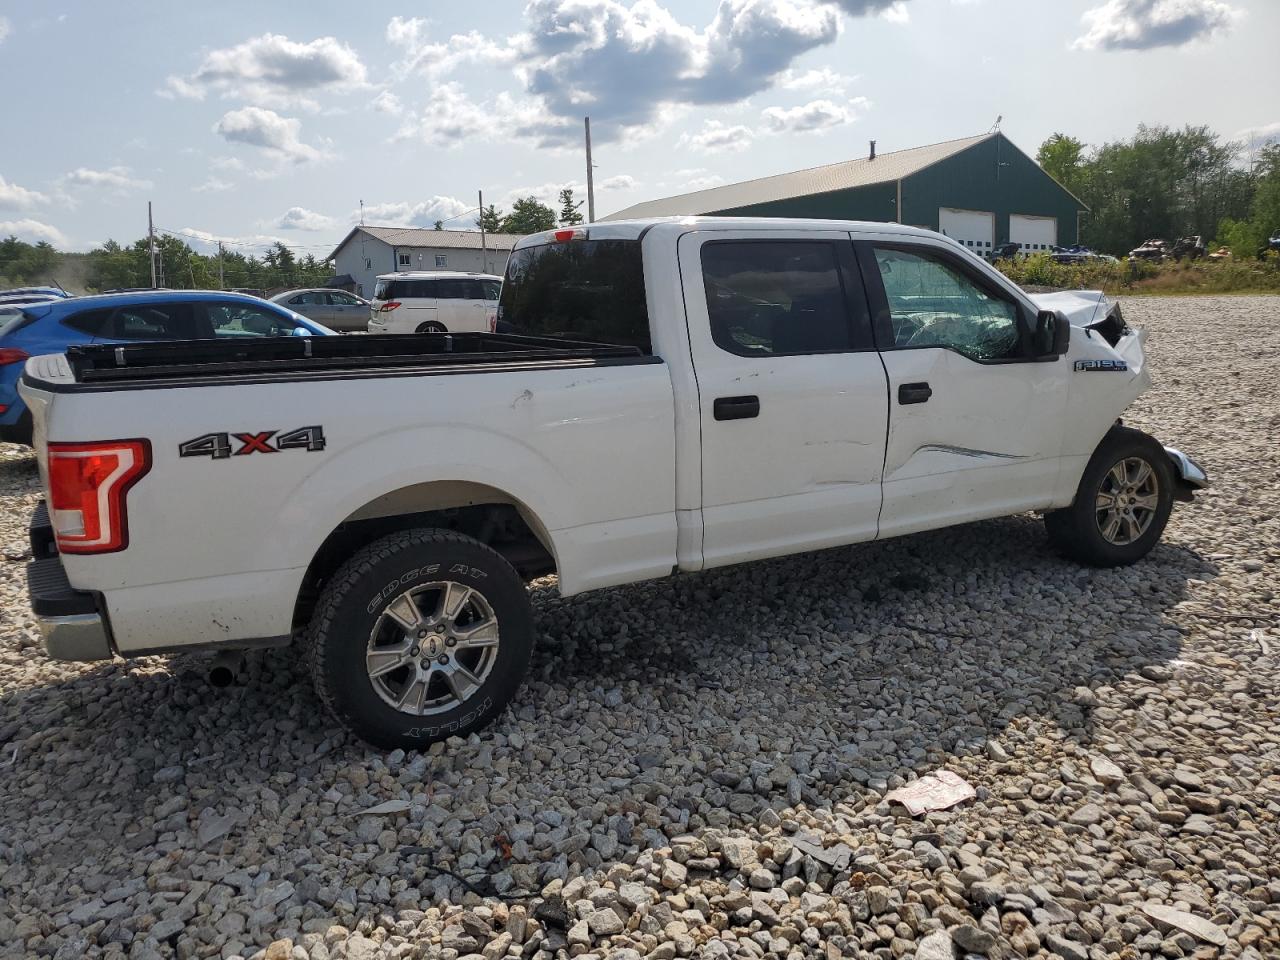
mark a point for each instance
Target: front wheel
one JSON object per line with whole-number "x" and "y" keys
{"x": 420, "y": 636}
{"x": 433, "y": 326}
{"x": 1122, "y": 504}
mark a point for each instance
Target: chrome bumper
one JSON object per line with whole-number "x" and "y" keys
{"x": 80, "y": 636}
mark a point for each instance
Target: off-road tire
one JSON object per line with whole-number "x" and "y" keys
{"x": 354, "y": 599}
{"x": 1075, "y": 530}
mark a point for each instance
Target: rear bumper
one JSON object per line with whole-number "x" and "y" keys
{"x": 70, "y": 622}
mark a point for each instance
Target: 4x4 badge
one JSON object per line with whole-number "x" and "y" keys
{"x": 218, "y": 445}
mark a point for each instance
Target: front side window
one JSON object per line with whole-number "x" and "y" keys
{"x": 774, "y": 297}
{"x": 245, "y": 320}
{"x": 934, "y": 304}
{"x": 341, "y": 299}
{"x": 591, "y": 290}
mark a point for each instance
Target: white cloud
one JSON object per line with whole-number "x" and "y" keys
{"x": 387, "y": 102}
{"x": 823, "y": 79}
{"x": 300, "y": 218}
{"x": 717, "y": 137}
{"x": 437, "y": 59}
{"x": 1144, "y": 24}
{"x": 626, "y": 65}
{"x": 33, "y": 231}
{"x": 117, "y": 179}
{"x": 6, "y": 28}
{"x": 897, "y": 13}
{"x": 14, "y": 197}
{"x": 1254, "y": 137}
{"x": 214, "y": 185}
{"x": 622, "y": 181}
{"x": 422, "y": 214}
{"x": 273, "y": 70}
{"x": 815, "y": 116}
{"x": 450, "y": 118}
{"x": 265, "y": 129}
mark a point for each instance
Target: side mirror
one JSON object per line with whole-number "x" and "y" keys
{"x": 1052, "y": 335}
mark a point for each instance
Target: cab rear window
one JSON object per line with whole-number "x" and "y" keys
{"x": 591, "y": 290}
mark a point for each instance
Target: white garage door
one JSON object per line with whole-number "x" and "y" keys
{"x": 1033, "y": 234}
{"x": 973, "y": 228}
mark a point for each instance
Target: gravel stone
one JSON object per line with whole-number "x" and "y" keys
{"x": 680, "y": 742}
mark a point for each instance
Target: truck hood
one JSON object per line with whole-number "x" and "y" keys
{"x": 1082, "y": 307}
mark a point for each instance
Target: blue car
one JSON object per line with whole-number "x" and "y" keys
{"x": 32, "y": 329}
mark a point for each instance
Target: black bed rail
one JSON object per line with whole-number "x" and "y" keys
{"x": 107, "y": 362}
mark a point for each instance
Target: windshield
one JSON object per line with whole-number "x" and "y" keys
{"x": 590, "y": 290}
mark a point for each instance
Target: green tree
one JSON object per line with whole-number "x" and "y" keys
{"x": 569, "y": 215}
{"x": 528, "y": 216}
{"x": 439, "y": 225}
{"x": 1061, "y": 157}
{"x": 490, "y": 219}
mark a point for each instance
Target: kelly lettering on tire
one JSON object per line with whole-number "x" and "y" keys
{"x": 218, "y": 446}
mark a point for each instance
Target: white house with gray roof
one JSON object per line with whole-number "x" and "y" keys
{"x": 368, "y": 252}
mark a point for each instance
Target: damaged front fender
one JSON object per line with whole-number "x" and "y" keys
{"x": 1191, "y": 475}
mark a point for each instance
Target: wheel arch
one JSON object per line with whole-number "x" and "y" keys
{"x": 487, "y": 513}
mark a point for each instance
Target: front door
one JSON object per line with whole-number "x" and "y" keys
{"x": 975, "y": 428}
{"x": 791, "y": 392}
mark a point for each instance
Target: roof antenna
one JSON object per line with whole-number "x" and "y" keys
{"x": 995, "y": 127}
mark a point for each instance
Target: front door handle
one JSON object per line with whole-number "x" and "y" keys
{"x": 914, "y": 393}
{"x": 736, "y": 408}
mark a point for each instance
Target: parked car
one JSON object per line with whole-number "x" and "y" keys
{"x": 1006, "y": 251}
{"x": 434, "y": 302}
{"x": 682, "y": 395}
{"x": 20, "y": 298}
{"x": 1153, "y": 249}
{"x": 1190, "y": 247}
{"x": 336, "y": 309}
{"x": 250, "y": 292}
{"x": 53, "y": 293}
{"x": 1079, "y": 254}
{"x": 54, "y": 325}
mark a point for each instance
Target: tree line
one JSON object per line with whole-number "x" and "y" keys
{"x": 1169, "y": 183}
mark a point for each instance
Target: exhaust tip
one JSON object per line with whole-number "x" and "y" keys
{"x": 223, "y": 669}
{"x": 221, "y": 676}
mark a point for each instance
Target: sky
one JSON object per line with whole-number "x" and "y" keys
{"x": 252, "y": 122}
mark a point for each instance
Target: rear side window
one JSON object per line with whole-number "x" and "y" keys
{"x": 406, "y": 290}
{"x": 456, "y": 290}
{"x": 92, "y": 322}
{"x": 772, "y": 297}
{"x": 590, "y": 290}
{"x": 310, "y": 296}
{"x": 490, "y": 289}
{"x": 166, "y": 321}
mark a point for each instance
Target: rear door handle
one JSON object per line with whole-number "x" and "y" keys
{"x": 914, "y": 393}
{"x": 736, "y": 408}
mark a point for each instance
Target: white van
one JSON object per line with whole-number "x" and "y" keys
{"x": 434, "y": 302}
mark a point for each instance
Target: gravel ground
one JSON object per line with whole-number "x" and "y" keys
{"x": 697, "y": 766}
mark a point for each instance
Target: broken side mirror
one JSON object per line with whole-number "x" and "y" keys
{"x": 1052, "y": 335}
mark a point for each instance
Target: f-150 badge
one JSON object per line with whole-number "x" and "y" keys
{"x": 1102, "y": 366}
{"x": 219, "y": 445}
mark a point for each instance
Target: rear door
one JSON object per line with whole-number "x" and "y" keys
{"x": 975, "y": 428}
{"x": 460, "y": 310}
{"x": 792, "y": 396}
{"x": 418, "y": 301}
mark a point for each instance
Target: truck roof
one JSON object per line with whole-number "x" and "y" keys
{"x": 633, "y": 229}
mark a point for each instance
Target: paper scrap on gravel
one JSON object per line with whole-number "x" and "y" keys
{"x": 938, "y": 791}
{"x": 1198, "y": 927}
{"x": 383, "y": 809}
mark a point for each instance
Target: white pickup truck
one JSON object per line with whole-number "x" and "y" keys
{"x": 661, "y": 397}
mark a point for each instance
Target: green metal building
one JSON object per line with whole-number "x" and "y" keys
{"x": 981, "y": 191}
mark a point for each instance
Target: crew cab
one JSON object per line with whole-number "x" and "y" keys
{"x": 665, "y": 397}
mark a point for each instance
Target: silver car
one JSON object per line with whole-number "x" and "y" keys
{"x": 336, "y": 309}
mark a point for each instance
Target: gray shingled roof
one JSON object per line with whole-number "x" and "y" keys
{"x": 886, "y": 167}
{"x": 438, "y": 239}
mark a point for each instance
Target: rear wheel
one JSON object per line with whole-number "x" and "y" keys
{"x": 422, "y": 635}
{"x": 1122, "y": 504}
{"x": 434, "y": 326}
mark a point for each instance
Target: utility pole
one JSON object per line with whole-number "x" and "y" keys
{"x": 484, "y": 248}
{"x": 221, "y": 283}
{"x": 151, "y": 245}
{"x": 591, "y": 188}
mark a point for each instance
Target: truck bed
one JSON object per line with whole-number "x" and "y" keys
{"x": 196, "y": 362}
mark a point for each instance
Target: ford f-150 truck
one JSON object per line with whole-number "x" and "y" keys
{"x": 662, "y": 396}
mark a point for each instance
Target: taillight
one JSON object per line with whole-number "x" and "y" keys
{"x": 87, "y": 487}
{"x": 10, "y": 355}
{"x": 389, "y": 306}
